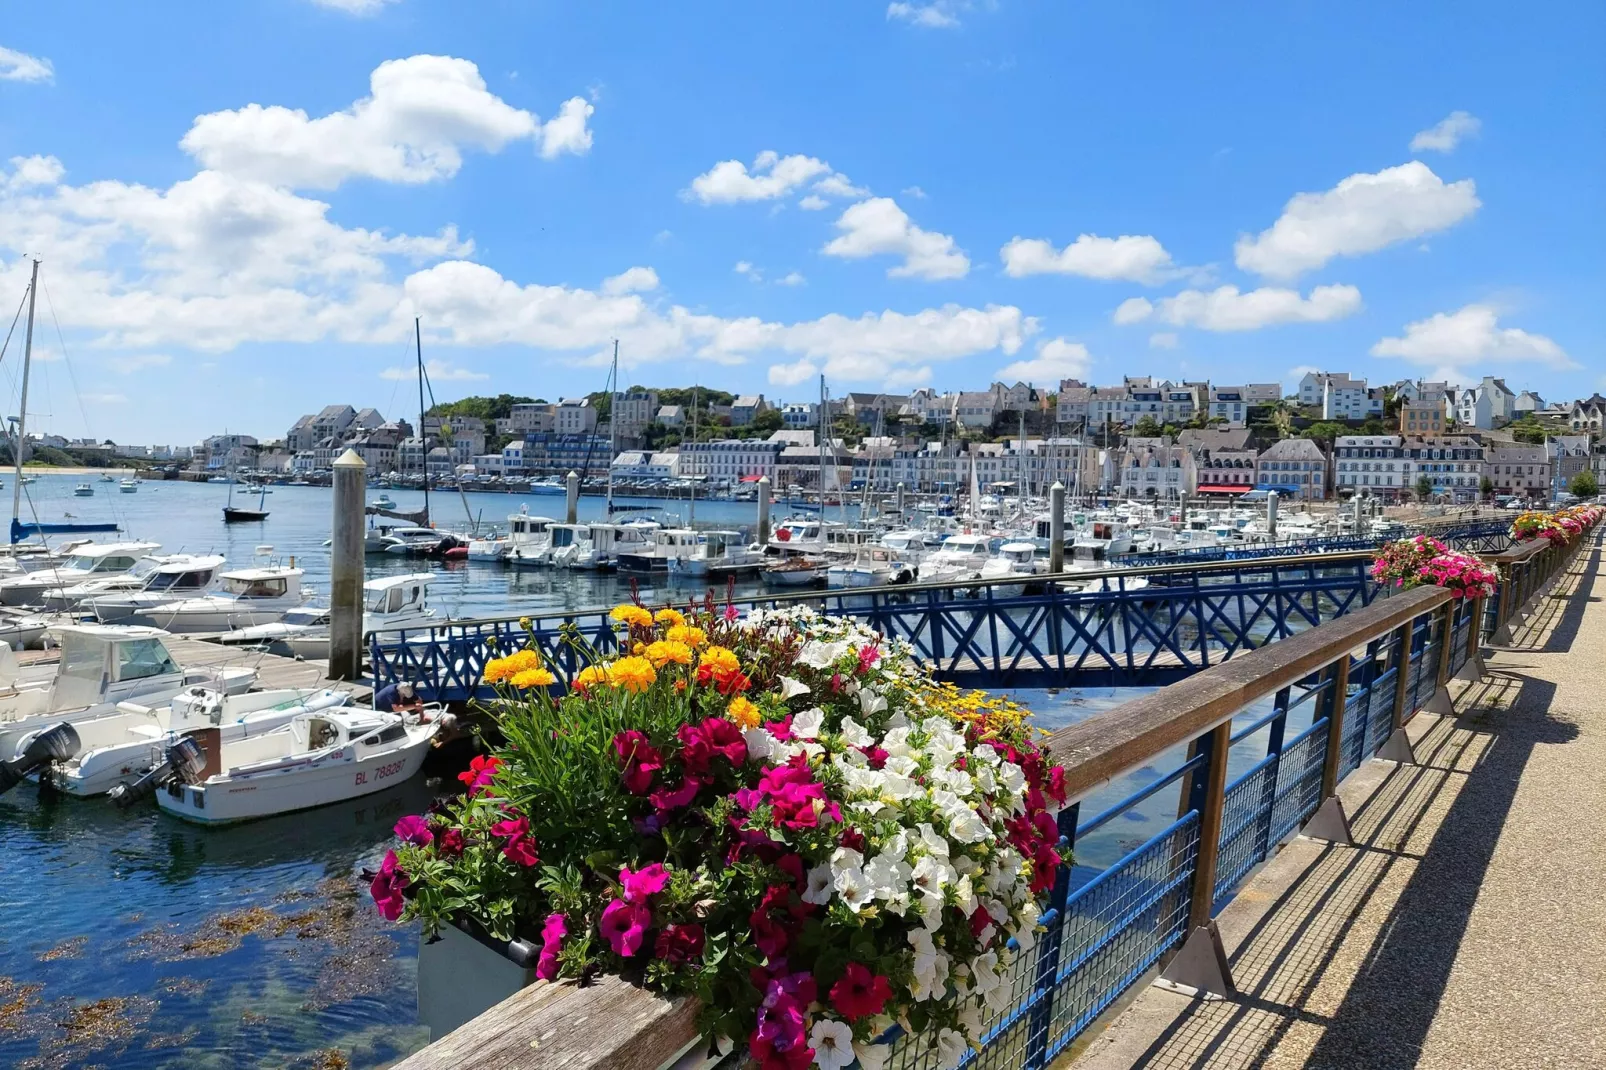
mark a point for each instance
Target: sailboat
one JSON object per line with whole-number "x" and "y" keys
{"x": 231, "y": 515}
{"x": 19, "y": 530}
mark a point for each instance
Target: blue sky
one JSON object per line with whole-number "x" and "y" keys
{"x": 241, "y": 206}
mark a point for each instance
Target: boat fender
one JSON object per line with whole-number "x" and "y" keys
{"x": 52, "y": 745}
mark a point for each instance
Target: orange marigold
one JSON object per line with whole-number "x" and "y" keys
{"x": 743, "y": 712}
{"x": 592, "y": 676}
{"x": 668, "y": 652}
{"x": 689, "y": 634}
{"x": 721, "y": 660}
{"x": 634, "y": 674}
{"x": 633, "y": 615}
{"x": 669, "y": 616}
{"x": 537, "y": 677}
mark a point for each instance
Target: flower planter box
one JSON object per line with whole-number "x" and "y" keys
{"x": 465, "y": 973}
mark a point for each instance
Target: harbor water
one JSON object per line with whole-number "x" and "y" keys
{"x": 134, "y": 940}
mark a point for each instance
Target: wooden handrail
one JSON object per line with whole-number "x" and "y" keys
{"x": 1109, "y": 744}
{"x": 609, "y": 1025}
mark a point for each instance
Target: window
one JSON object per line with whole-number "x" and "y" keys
{"x": 140, "y": 659}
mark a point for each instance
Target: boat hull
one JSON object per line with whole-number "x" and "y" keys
{"x": 225, "y": 800}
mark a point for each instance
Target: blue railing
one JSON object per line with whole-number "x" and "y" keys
{"x": 1107, "y": 928}
{"x": 1151, "y": 627}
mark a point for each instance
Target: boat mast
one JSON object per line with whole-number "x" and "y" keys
{"x": 692, "y": 522}
{"x": 423, "y": 439}
{"x": 613, "y": 423}
{"x": 22, "y": 413}
{"x": 822, "y": 423}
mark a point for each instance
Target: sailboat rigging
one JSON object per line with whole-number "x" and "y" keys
{"x": 19, "y": 530}
{"x": 231, "y": 515}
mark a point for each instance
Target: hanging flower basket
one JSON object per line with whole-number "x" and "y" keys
{"x": 781, "y": 815}
{"x": 1422, "y": 560}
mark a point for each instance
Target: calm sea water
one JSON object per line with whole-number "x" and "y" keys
{"x": 134, "y": 940}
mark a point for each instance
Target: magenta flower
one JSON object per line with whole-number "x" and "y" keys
{"x": 668, "y": 799}
{"x": 640, "y": 759}
{"x": 624, "y": 926}
{"x": 731, "y": 613}
{"x": 644, "y": 883}
{"x": 414, "y": 830}
{"x": 552, "y": 934}
{"x": 387, "y": 888}
{"x": 868, "y": 656}
{"x": 519, "y": 848}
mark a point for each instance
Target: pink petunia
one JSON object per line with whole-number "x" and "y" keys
{"x": 644, "y": 883}
{"x": 552, "y": 934}
{"x": 414, "y": 830}
{"x": 387, "y": 888}
{"x": 624, "y": 925}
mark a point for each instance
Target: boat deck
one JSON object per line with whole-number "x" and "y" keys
{"x": 273, "y": 670}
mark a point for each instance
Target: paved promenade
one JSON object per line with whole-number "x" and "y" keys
{"x": 1467, "y": 926}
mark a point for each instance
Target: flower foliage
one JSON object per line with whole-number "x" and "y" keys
{"x": 782, "y": 815}
{"x": 1422, "y": 560}
{"x": 1560, "y": 527}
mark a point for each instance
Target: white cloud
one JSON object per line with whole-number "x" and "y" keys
{"x": 355, "y": 7}
{"x": 1292, "y": 377}
{"x": 813, "y": 203}
{"x": 421, "y": 113}
{"x": 936, "y": 14}
{"x": 773, "y": 175}
{"x": 907, "y": 378}
{"x": 130, "y": 364}
{"x": 34, "y": 171}
{"x": 438, "y": 371}
{"x": 1131, "y": 257}
{"x": 792, "y": 278}
{"x": 1447, "y": 133}
{"x": 567, "y": 131}
{"x": 631, "y": 280}
{"x": 838, "y": 185}
{"x": 20, "y": 67}
{"x": 914, "y": 191}
{"x": 743, "y": 267}
{"x": 1362, "y": 214}
{"x": 1468, "y": 336}
{"x": 879, "y": 226}
{"x": 792, "y": 374}
{"x": 105, "y": 398}
{"x": 1226, "y": 309}
{"x": 1133, "y": 310}
{"x": 1163, "y": 340}
{"x": 1056, "y": 359}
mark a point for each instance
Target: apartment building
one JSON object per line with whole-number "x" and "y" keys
{"x": 632, "y": 412}
{"x": 575, "y": 416}
{"x": 1519, "y": 469}
{"x": 975, "y": 410}
{"x": 1295, "y": 468}
{"x": 1229, "y": 404}
{"x": 1588, "y": 414}
{"x": 1071, "y": 403}
{"x": 1229, "y": 471}
{"x": 1372, "y": 465}
{"x": 672, "y": 416}
{"x": 1159, "y": 472}
{"x": 1453, "y": 463}
{"x": 730, "y": 460}
{"x": 556, "y": 453}
{"x": 744, "y": 408}
{"x": 1569, "y": 455}
{"x": 1422, "y": 418}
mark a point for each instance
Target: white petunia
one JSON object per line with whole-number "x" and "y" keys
{"x": 852, "y": 886}
{"x": 821, "y": 655}
{"x": 955, "y": 780}
{"x": 887, "y": 876}
{"x": 870, "y": 702}
{"x": 873, "y": 1056}
{"x": 931, "y": 875}
{"x": 855, "y": 734}
{"x": 985, "y": 780}
{"x": 1013, "y": 778}
{"x": 921, "y": 942}
{"x": 760, "y": 744}
{"x": 930, "y": 911}
{"x": 987, "y": 755}
{"x": 964, "y": 895}
{"x": 984, "y": 970}
{"x": 897, "y": 845}
{"x": 965, "y": 826}
{"x": 896, "y": 742}
{"x": 846, "y": 858}
{"x": 899, "y": 787}
{"x": 791, "y": 688}
{"x": 931, "y": 840}
{"x": 951, "y": 1047}
{"x": 832, "y": 1042}
{"x": 969, "y": 1015}
{"x": 898, "y": 904}
{"x": 820, "y": 881}
{"x": 806, "y": 725}
{"x": 901, "y": 765}
{"x": 811, "y": 748}
{"x": 1025, "y": 932}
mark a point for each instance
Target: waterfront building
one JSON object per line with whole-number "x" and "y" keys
{"x": 1295, "y": 468}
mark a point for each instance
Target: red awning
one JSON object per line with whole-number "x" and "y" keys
{"x": 751, "y": 479}
{"x": 1226, "y": 488}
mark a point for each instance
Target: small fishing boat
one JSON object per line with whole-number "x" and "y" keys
{"x": 872, "y": 566}
{"x": 128, "y": 486}
{"x": 389, "y": 603}
{"x": 799, "y": 571}
{"x": 83, "y": 490}
{"x": 320, "y": 757}
{"x": 258, "y": 595}
{"x": 384, "y": 501}
{"x": 108, "y": 478}
{"x": 124, "y": 746}
{"x": 87, "y": 561}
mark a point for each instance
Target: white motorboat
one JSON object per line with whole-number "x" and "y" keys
{"x": 548, "y": 485}
{"x": 90, "y": 560}
{"x": 100, "y": 666}
{"x": 489, "y": 549}
{"x": 798, "y": 570}
{"x": 83, "y": 490}
{"x": 20, "y": 630}
{"x": 598, "y": 545}
{"x": 389, "y": 603}
{"x": 666, "y": 544}
{"x": 960, "y": 558}
{"x": 172, "y": 574}
{"x": 128, "y": 486}
{"x": 871, "y": 566}
{"x": 413, "y": 542}
{"x": 249, "y": 596}
{"x": 529, "y": 539}
{"x": 913, "y": 545}
{"x": 715, "y": 553}
{"x": 1014, "y": 559}
{"x": 123, "y": 746}
{"x": 320, "y": 757}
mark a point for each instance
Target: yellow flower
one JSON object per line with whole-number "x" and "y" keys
{"x": 667, "y": 651}
{"x": 633, "y": 674}
{"x": 691, "y": 635}
{"x": 669, "y": 616}
{"x": 592, "y": 676}
{"x": 499, "y": 669}
{"x": 743, "y": 712}
{"x": 534, "y": 678}
{"x": 638, "y": 647}
{"x": 721, "y": 660}
{"x": 632, "y": 615}
{"x": 496, "y": 670}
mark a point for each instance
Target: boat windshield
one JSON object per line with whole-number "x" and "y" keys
{"x": 81, "y": 657}
{"x": 138, "y": 659}
{"x": 180, "y": 581}
{"x": 265, "y": 587}
{"x": 307, "y": 615}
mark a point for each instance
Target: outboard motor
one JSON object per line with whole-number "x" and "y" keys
{"x": 185, "y": 762}
{"x": 52, "y": 745}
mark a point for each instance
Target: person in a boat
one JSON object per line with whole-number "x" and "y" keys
{"x": 399, "y": 697}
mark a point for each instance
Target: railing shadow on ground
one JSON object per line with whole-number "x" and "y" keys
{"x": 1281, "y": 964}
{"x": 1573, "y": 597}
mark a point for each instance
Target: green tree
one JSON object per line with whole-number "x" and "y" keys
{"x": 1324, "y": 431}
{"x": 1486, "y": 488}
{"x": 484, "y": 408}
{"x": 768, "y": 422}
{"x": 1424, "y": 487}
{"x": 1147, "y": 427}
{"x": 1584, "y": 484}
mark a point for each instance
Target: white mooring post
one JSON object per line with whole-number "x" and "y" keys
{"x": 1056, "y": 527}
{"x": 571, "y": 515}
{"x": 763, "y": 510}
{"x": 346, "y": 568}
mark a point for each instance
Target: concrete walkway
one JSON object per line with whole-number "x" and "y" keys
{"x": 1467, "y": 927}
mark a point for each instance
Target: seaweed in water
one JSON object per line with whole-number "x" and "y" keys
{"x": 67, "y": 949}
